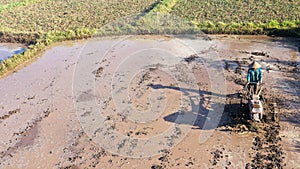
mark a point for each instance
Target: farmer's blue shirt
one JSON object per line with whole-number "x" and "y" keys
{"x": 254, "y": 75}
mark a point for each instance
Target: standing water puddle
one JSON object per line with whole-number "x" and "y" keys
{"x": 7, "y": 50}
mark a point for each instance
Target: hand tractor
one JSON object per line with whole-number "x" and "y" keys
{"x": 256, "y": 110}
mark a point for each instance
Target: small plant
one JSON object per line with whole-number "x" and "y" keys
{"x": 273, "y": 24}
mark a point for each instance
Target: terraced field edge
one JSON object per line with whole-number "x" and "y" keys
{"x": 37, "y": 43}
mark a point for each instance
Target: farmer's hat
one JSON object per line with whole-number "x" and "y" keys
{"x": 255, "y": 65}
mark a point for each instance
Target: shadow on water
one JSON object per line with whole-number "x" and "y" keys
{"x": 204, "y": 119}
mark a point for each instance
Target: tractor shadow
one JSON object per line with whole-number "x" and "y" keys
{"x": 217, "y": 115}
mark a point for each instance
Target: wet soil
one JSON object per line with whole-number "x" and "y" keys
{"x": 41, "y": 129}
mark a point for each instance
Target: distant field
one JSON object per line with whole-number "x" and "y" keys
{"x": 63, "y": 15}
{"x": 238, "y": 10}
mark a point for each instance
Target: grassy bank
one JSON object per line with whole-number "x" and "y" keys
{"x": 286, "y": 28}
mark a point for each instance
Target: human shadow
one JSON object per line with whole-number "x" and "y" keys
{"x": 186, "y": 91}
{"x": 200, "y": 116}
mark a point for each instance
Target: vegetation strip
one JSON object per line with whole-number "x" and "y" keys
{"x": 286, "y": 28}
{"x": 268, "y": 152}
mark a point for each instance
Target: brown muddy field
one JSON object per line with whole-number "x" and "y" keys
{"x": 151, "y": 102}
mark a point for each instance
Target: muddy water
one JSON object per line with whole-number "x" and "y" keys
{"x": 7, "y": 50}
{"x": 40, "y": 127}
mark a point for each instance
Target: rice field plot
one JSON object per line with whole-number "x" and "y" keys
{"x": 57, "y": 15}
{"x": 238, "y": 11}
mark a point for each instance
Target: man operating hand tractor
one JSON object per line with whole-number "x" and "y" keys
{"x": 254, "y": 76}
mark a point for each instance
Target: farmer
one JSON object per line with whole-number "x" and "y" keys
{"x": 254, "y": 76}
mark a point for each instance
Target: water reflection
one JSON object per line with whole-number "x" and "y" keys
{"x": 8, "y": 50}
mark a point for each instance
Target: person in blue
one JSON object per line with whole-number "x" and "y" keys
{"x": 254, "y": 76}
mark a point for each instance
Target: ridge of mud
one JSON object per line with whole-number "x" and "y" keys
{"x": 10, "y": 113}
{"x": 268, "y": 153}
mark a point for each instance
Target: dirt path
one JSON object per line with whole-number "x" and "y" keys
{"x": 162, "y": 100}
